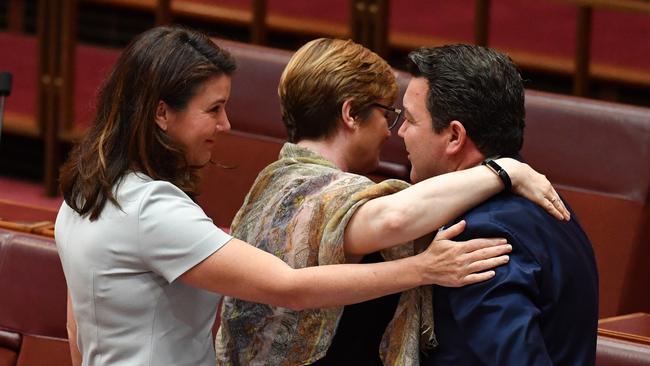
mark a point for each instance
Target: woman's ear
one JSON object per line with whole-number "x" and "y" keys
{"x": 346, "y": 117}
{"x": 163, "y": 115}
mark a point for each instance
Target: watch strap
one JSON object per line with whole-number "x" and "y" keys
{"x": 500, "y": 172}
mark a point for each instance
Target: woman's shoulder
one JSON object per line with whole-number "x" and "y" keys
{"x": 137, "y": 192}
{"x": 138, "y": 185}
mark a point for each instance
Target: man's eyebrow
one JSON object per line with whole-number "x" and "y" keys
{"x": 408, "y": 114}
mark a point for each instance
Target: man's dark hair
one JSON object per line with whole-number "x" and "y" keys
{"x": 477, "y": 86}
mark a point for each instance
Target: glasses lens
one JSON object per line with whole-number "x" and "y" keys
{"x": 390, "y": 117}
{"x": 391, "y": 114}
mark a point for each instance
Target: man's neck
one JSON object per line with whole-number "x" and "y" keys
{"x": 469, "y": 158}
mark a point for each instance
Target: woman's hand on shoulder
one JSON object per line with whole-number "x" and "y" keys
{"x": 534, "y": 186}
{"x": 454, "y": 264}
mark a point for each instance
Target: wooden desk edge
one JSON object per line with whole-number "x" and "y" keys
{"x": 621, "y": 317}
{"x": 624, "y": 336}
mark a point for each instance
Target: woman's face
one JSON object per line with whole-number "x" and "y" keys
{"x": 196, "y": 127}
{"x": 369, "y": 139}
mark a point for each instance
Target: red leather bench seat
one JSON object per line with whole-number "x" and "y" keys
{"x": 33, "y": 305}
{"x": 598, "y": 154}
{"x": 615, "y": 352}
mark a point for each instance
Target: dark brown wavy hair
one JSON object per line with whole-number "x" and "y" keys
{"x": 163, "y": 64}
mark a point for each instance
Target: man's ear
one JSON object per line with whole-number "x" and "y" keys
{"x": 163, "y": 115}
{"x": 346, "y": 117}
{"x": 457, "y": 137}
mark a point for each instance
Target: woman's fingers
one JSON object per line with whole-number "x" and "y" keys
{"x": 474, "y": 245}
{"x": 559, "y": 206}
{"x": 537, "y": 188}
{"x": 455, "y": 264}
{"x": 451, "y": 232}
{"x": 554, "y": 205}
{"x": 477, "y": 277}
{"x": 485, "y": 264}
{"x": 550, "y": 200}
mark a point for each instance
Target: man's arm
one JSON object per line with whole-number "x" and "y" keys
{"x": 499, "y": 318}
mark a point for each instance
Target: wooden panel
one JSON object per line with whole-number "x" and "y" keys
{"x": 7, "y": 357}
{"x": 242, "y": 157}
{"x": 16, "y": 211}
{"x": 16, "y": 15}
{"x": 38, "y": 351}
{"x": 641, "y": 6}
{"x": 615, "y": 227}
{"x": 632, "y": 327}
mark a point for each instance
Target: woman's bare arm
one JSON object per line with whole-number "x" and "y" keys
{"x": 424, "y": 207}
{"x": 71, "y": 327}
{"x": 243, "y": 271}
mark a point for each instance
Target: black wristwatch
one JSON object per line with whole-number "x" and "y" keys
{"x": 498, "y": 170}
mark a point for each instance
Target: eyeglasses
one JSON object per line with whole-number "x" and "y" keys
{"x": 390, "y": 111}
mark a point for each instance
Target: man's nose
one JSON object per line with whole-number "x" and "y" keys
{"x": 402, "y": 128}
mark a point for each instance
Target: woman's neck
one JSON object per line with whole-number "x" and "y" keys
{"x": 331, "y": 149}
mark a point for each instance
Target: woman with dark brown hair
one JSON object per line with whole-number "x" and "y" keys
{"x": 145, "y": 266}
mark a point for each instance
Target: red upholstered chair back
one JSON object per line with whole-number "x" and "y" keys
{"x": 598, "y": 154}
{"x": 33, "y": 306}
{"x": 614, "y": 352}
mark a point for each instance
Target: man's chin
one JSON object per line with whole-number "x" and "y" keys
{"x": 414, "y": 177}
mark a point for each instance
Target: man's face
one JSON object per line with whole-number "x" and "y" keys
{"x": 425, "y": 147}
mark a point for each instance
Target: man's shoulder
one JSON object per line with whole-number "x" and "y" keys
{"x": 524, "y": 224}
{"x": 517, "y": 219}
{"x": 507, "y": 209}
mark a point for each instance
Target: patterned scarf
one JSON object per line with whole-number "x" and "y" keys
{"x": 298, "y": 209}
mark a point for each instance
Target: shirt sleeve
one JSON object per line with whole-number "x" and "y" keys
{"x": 174, "y": 232}
{"x": 498, "y": 318}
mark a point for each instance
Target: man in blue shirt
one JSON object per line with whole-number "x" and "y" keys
{"x": 465, "y": 104}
